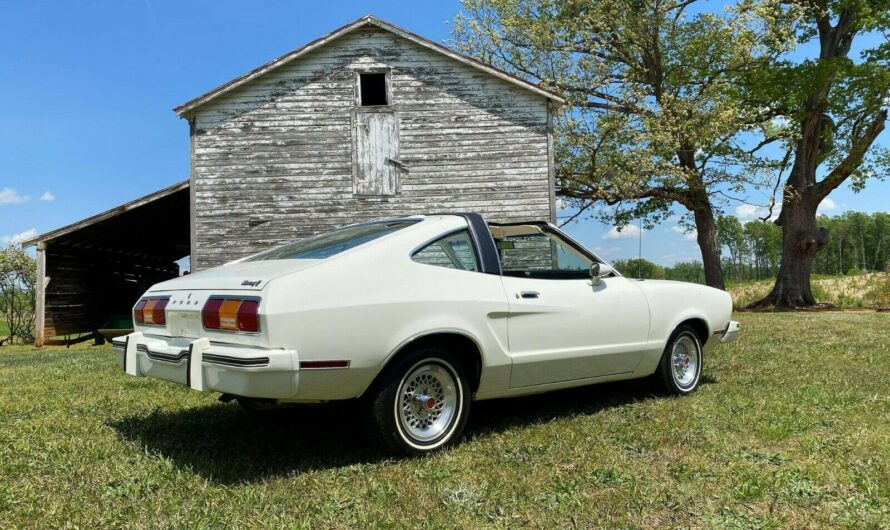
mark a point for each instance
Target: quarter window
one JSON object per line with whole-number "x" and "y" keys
{"x": 454, "y": 251}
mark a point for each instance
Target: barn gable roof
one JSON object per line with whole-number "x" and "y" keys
{"x": 367, "y": 20}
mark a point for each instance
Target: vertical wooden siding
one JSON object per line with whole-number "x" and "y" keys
{"x": 272, "y": 160}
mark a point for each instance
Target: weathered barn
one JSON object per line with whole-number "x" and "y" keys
{"x": 368, "y": 121}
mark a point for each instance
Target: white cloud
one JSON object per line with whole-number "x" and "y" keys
{"x": 10, "y": 196}
{"x": 627, "y": 232}
{"x": 688, "y": 235}
{"x": 746, "y": 211}
{"x": 18, "y": 238}
{"x": 749, "y": 212}
{"x": 47, "y": 196}
{"x": 826, "y": 205}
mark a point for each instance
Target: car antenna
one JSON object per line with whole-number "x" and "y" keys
{"x": 640, "y": 254}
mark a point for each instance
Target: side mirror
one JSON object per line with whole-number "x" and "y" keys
{"x": 598, "y": 271}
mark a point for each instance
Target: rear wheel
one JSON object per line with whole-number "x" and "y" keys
{"x": 679, "y": 371}
{"x": 421, "y": 404}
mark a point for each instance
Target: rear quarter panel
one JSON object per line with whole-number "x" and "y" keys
{"x": 365, "y": 306}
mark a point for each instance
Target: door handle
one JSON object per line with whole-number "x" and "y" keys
{"x": 529, "y": 294}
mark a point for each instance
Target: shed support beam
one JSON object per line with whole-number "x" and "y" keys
{"x": 40, "y": 295}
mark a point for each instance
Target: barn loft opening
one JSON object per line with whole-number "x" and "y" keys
{"x": 373, "y": 89}
{"x": 92, "y": 272}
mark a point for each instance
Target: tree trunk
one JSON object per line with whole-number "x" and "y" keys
{"x": 801, "y": 240}
{"x": 707, "y": 242}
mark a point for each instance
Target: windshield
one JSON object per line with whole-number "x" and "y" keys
{"x": 325, "y": 245}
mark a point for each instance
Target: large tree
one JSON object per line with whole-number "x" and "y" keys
{"x": 653, "y": 119}
{"x": 835, "y": 104}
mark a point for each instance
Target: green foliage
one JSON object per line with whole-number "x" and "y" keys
{"x": 691, "y": 271}
{"x": 858, "y": 241}
{"x": 789, "y": 430}
{"x": 654, "y": 117}
{"x": 639, "y": 268}
{"x": 18, "y": 277}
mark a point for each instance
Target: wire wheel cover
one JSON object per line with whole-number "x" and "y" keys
{"x": 427, "y": 402}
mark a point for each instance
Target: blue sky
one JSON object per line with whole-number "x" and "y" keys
{"x": 86, "y": 92}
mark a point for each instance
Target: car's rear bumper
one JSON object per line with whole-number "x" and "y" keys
{"x": 211, "y": 367}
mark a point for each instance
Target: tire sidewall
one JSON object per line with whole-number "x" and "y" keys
{"x": 385, "y": 405}
{"x": 667, "y": 362}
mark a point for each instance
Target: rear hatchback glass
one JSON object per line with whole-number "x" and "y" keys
{"x": 328, "y": 244}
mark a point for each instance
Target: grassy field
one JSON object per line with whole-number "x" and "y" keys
{"x": 791, "y": 429}
{"x": 4, "y": 328}
{"x": 849, "y": 292}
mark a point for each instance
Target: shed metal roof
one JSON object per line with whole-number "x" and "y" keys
{"x": 367, "y": 20}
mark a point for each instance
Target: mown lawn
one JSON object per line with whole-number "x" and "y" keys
{"x": 791, "y": 429}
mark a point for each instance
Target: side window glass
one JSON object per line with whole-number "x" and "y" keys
{"x": 454, "y": 251}
{"x": 541, "y": 255}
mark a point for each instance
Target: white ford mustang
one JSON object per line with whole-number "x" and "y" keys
{"x": 417, "y": 317}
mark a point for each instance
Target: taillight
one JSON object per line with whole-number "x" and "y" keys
{"x": 231, "y": 314}
{"x": 137, "y": 311}
{"x": 151, "y": 310}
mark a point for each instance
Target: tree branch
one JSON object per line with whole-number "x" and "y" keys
{"x": 848, "y": 165}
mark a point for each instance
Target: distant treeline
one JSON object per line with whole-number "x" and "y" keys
{"x": 753, "y": 250}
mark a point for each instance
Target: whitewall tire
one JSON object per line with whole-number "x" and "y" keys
{"x": 421, "y": 404}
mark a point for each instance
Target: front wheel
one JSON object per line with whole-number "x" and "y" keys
{"x": 422, "y": 403}
{"x": 680, "y": 368}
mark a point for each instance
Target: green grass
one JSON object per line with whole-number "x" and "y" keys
{"x": 791, "y": 428}
{"x": 4, "y": 329}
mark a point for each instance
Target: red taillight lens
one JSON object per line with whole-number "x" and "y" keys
{"x": 210, "y": 313}
{"x": 159, "y": 313}
{"x": 231, "y": 314}
{"x": 247, "y": 316}
{"x": 137, "y": 311}
{"x": 151, "y": 310}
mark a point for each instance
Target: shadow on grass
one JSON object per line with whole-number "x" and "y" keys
{"x": 226, "y": 445}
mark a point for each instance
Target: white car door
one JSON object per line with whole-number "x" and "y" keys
{"x": 561, "y": 327}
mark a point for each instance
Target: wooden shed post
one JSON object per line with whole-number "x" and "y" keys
{"x": 40, "y": 302}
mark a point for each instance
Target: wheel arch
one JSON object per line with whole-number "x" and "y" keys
{"x": 463, "y": 345}
{"x": 699, "y": 324}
